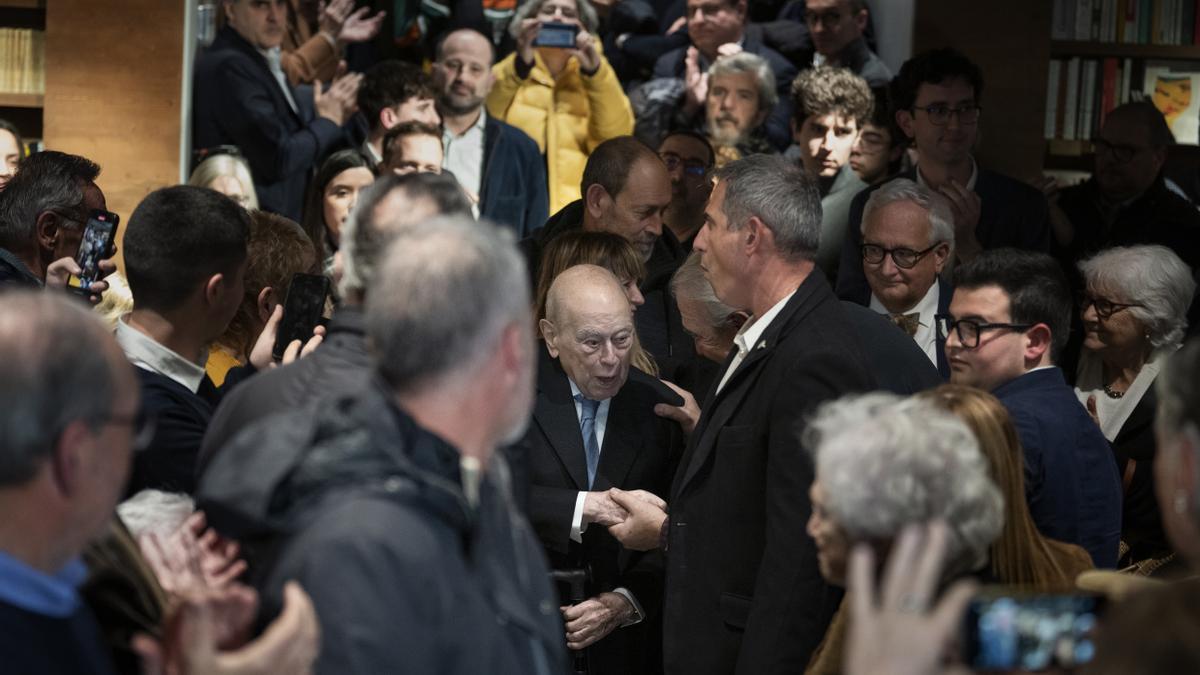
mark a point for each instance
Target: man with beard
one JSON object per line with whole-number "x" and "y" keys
{"x": 741, "y": 94}
{"x": 496, "y": 163}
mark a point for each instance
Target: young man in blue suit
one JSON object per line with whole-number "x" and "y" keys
{"x": 1007, "y": 324}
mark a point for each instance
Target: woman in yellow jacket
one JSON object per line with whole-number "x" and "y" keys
{"x": 568, "y": 100}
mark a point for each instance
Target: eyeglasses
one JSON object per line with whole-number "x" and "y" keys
{"x": 1121, "y": 153}
{"x": 674, "y": 161}
{"x": 1104, "y": 308}
{"x": 905, "y": 258}
{"x": 827, "y": 19}
{"x": 969, "y": 330}
{"x": 940, "y": 113}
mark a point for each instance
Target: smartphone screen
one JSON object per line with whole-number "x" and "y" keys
{"x": 560, "y": 35}
{"x": 96, "y": 245}
{"x": 1007, "y": 631}
{"x": 302, "y": 310}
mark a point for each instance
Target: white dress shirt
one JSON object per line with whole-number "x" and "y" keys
{"x": 463, "y": 156}
{"x": 143, "y": 352}
{"x": 748, "y": 337}
{"x": 926, "y": 335}
{"x": 275, "y": 65}
{"x": 577, "y": 525}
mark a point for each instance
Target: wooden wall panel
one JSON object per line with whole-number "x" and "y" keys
{"x": 1010, "y": 40}
{"x": 114, "y": 82}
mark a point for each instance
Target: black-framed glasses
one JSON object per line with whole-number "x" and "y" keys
{"x": 905, "y": 258}
{"x": 969, "y": 330}
{"x": 691, "y": 168}
{"x": 828, "y": 19}
{"x": 1121, "y": 153}
{"x": 1104, "y": 308}
{"x": 939, "y": 113}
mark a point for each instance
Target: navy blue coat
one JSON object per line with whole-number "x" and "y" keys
{"x": 1071, "y": 479}
{"x": 514, "y": 191}
{"x": 1011, "y": 214}
{"x": 236, "y": 101}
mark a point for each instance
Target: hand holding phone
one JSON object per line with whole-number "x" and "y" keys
{"x": 96, "y": 245}
{"x": 1007, "y": 630}
{"x": 302, "y": 310}
{"x": 557, "y": 35}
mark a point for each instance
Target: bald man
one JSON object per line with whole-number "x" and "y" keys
{"x": 594, "y": 428}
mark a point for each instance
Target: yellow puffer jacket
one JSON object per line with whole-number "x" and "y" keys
{"x": 568, "y": 117}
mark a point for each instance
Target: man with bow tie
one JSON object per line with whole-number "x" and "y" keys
{"x": 593, "y": 429}
{"x": 908, "y": 238}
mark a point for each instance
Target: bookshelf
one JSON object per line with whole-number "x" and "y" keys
{"x": 23, "y": 109}
{"x": 1060, "y": 48}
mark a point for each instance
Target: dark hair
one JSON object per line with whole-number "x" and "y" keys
{"x": 410, "y": 128}
{"x": 1151, "y": 118}
{"x": 11, "y": 128}
{"x": 698, "y": 137}
{"x": 1034, "y": 283}
{"x": 827, "y": 90}
{"x": 47, "y": 180}
{"x": 277, "y": 249}
{"x": 390, "y": 83}
{"x": 176, "y": 239}
{"x": 610, "y": 163}
{"x": 313, "y": 220}
{"x": 932, "y": 67}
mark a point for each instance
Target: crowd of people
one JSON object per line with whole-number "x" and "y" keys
{"x": 658, "y": 336}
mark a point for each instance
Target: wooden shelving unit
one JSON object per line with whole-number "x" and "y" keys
{"x": 1064, "y": 48}
{"x": 21, "y": 100}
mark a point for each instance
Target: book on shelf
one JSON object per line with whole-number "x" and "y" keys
{"x": 1157, "y": 22}
{"x": 22, "y": 61}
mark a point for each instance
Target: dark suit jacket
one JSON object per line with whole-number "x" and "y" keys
{"x": 640, "y": 451}
{"x": 514, "y": 179}
{"x": 945, "y": 294}
{"x": 778, "y": 124}
{"x": 1071, "y": 480}
{"x": 180, "y": 418}
{"x": 238, "y": 102}
{"x": 1011, "y": 214}
{"x": 744, "y": 592}
{"x": 899, "y": 365}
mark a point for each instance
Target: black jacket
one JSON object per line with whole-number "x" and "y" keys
{"x": 180, "y": 418}
{"x": 1011, "y": 214}
{"x": 899, "y": 365}
{"x": 366, "y": 510}
{"x": 237, "y": 101}
{"x": 744, "y": 592}
{"x": 14, "y": 273}
{"x": 640, "y": 452}
{"x": 514, "y": 178}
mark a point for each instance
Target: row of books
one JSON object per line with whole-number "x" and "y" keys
{"x": 1081, "y": 92}
{"x": 1157, "y": 22}
{"x": 22, "y": 61}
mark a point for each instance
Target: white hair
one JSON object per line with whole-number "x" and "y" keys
{"x": 1154, "y": 278}
{"x": 745, "y": 62}
{"x": 941, "y": 218}
{"x": 688, "y": 282}
{"x": 155, "y": 512}
{"x": 226, "y": 165}
{"x": 885, "y": 462}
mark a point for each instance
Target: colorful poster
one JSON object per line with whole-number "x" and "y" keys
{"x": 1175, "y": 91}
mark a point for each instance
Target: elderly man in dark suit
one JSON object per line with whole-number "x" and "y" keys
{"x": 744, "y": 593}
{"x": 243, "y": 98}
{"x": 594, "y": 428}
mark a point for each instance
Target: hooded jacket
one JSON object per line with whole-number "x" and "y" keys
{"x": 368, "y": 512}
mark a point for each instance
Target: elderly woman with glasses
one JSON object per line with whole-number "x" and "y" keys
{"x": 558, "y": 88}
{"x": 883, "y": 463}
{"x": 1134, "y": 313}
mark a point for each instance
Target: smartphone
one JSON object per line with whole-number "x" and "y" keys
{"x": 302, "y": 310}
{"x": 561, "y": 35}
{"x": 97, "y": 245}
{"x": 1006, "y": 630}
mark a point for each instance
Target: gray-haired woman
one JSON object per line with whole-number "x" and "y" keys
{"x": 1134, "y": 313}
{"x": 884, "y": 462}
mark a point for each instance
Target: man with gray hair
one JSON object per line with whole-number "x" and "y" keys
{"x": 390, "y": 504}
{"x": 744, "y": 592}
{"x": 341, "y": 364}
{"x": 741, "y": 95}
{"x": 908, "y": 239}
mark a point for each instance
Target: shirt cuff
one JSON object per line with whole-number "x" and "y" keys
{"x": 638, "y": 614}
{"x": 578, "y": 527}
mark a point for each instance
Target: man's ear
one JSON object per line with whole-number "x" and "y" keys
{"x": 904, "y": 120}
{"x": 1038, "y": 342}
{"x": 388, "y": 118}
{"x": 596, "y": 200}
{"x": 941, "y": 254}
{"x": 550, "y": 336}
{"x": 266, "y": 303}
{"x": 757, "y": 235}
{"x": 46, "y": 228}
{"x": 214, "y": 288}
{"x": 67, "y": 462}
{"x": 860, "y": 20}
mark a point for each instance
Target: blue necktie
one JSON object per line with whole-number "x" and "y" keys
{"x": 587, "y": 424}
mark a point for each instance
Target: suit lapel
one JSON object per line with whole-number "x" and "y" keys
{"x": 491, "y": 135}
{"x": 945, "y": 292}
{"x": 555, "y": 415}
{"x": 622, "y": 442}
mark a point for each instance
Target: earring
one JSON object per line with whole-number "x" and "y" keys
{"x": 1181, "y": 502}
